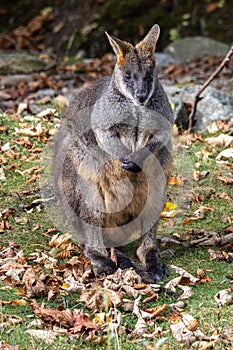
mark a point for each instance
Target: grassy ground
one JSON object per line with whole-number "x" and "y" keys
{"x": 30, "y": 230}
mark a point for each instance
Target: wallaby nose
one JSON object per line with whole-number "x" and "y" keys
{"x": 141, "y": 96}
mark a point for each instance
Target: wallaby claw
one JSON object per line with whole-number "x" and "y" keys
{"x": 159, "y": 272}
{"x": 131, "y": 166}
{"x": 107, "y": 269}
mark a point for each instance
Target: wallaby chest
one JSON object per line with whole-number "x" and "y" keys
{"x": 133, "y": 125}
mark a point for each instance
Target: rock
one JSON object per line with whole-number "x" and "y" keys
{"x": 214, "y": 106}
{"x": 14, "y": 62}
{"x": 164, "y": 59}
{"x": 11, "y": 80}
{"x": 186, "y": 49}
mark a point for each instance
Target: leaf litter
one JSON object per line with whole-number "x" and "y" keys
{"x": 105, "y": 297}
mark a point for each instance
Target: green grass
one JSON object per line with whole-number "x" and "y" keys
{"x": 15, "y": 193}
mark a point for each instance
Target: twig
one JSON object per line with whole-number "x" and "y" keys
{"x": 204, "y": 86}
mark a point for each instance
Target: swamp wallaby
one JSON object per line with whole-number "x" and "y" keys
{"x": 113, "y": 159}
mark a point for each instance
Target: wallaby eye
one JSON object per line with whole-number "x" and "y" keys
{"x": 127, "y": 76}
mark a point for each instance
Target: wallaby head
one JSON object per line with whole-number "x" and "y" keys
{"x": 134, "y": 72}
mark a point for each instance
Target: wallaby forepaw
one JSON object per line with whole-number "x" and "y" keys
{"x": 131, "y": 166}
{"x": 159, "y": 272}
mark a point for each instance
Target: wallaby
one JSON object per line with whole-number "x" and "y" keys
{"x": 113, "y": 159}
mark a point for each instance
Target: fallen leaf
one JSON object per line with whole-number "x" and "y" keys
{"x": 155, "y": 311}
{"x": 224, "y": 297}
{"x": 226, "y": 154}
{"x": 100, "y": 298}
{"x": 196, "y": 174}
{"x": 2, "y": 175}
{"x": 48, "y": 112}
{"x": 6, "y": 346}
{"x": 221, "y": 140}
{"x": 184, "y": 328}
{"x": 220, "y": 255}
{"x": 187, "y": 292}
{"x": 51, "y": 317}
{"x": 226, "y": 180}
{"x": 184, "y": 273}
{"x": 170, "y": 210}
{"x": 4, "y": 225}
{"x": 82, "y": 322}
{"x": 61, "y": 101}
{"x": 33, "y": 285}
{"x": 115, "y": 321}
{"x": 224, "y": 195}
{"x": 19, "y": 302}
{"x": 22, "y": 220}
{"x": 175, "y": 181}
{"x": 202, "y": 275}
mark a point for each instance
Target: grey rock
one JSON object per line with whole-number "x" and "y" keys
{"x": 11, "y": 80}
{"x": 184, "y": 50}
{"x": 14, "y": 62}
{"x": 164, "y": 59}
{"x": 213, "y": 106}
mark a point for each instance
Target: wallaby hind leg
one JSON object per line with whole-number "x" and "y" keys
{"x": 97, "y": 253}
{"x": 147, "y": 253}
{"x": 124, "y": 262}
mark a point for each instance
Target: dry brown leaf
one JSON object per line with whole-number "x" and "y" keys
{"x": 184, "y": 273}
{"x": 61, "y": 318}
{"x": 2, "y": 175}
{"x": 202, "y": 275}
{"x": 196, "y": 174}
{"x": 3, "y": 161}
{"x": 154, "y": 296}
{"x": 33, "y": 285}
{"x": 224, "y": 297}
{"x": 155, "y": 311}
{"x": 223, "y": 195}
{"x": 6, "y": 346}
{"x": 140, "y": 328}
{"x": 32, "y": 131}
{"x": 82, "y": 322}
{"x": 141, "y": 314}
{"x": 187, "y": 292}
{"x": 226, "y": 154}
{"x": 48, "y": 112}
{"x": 220, "y": 255}
{"x": 221, "y": 140}
{"x": 18, "y": 302}
{"x": 99, "y": 298}
{"x": 4, "y": 225}
{"x": 175, "y": 181}
{"x": 115, "y": 321}
{"x": 62, "y": 102}
{"x": 225, "y": 179}
{"x": 184, "y": 328}
{"x": 58, "y": 240}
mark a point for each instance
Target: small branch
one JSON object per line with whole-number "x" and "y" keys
{"x": 204, "y": 86}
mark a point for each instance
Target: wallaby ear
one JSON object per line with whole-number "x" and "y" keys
{"x": 119, "y": 47}
{"x": 148, "y": 44}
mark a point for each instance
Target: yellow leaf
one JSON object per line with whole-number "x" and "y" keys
{"x": 170, "y": 206}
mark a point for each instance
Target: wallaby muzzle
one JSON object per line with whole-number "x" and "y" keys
{"x": 141, "y": 96}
